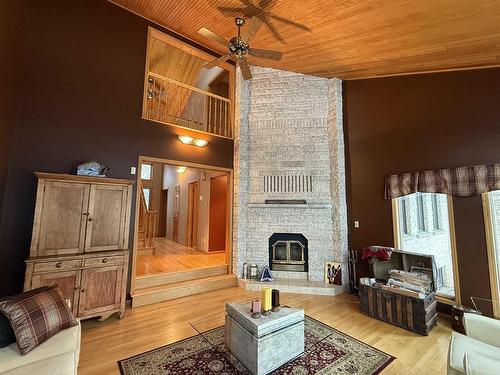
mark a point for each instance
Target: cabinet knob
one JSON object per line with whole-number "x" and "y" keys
{"x": 105, "y": 260}
{"x": 83, "y": 290}
{"x": 90, "y": 219}
{"x": 58, "y": 265}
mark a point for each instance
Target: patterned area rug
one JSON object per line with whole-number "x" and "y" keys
{"x": 328, "y": 351}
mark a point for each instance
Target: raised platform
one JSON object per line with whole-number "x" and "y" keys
{"x": 295, "y": 286}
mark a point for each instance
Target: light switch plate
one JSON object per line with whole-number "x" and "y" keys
{"x": 356, "y": 224}
{"x": 133, "y": 170}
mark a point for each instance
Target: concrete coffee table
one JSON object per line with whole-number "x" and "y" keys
{"x": 264, "y": 344}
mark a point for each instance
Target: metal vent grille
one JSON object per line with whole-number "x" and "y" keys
{"x": 288, "y": 184}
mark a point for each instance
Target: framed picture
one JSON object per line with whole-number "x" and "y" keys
{"x": 333, "y": 273}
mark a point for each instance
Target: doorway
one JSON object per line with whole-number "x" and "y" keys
{"x": 193, "y": 207}
{"x": 194, "y": 220}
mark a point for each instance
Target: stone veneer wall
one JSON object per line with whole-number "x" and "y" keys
{"x": 289, "y": 125}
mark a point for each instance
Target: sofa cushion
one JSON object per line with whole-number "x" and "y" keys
{"x": 65, "y": 345}
{"x": 461, "y": 345}
{"x": 37, "y": 315}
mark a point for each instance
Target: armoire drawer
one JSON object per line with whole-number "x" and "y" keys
{"x": 103, "y": 261}
{"x": 59, "y": 265}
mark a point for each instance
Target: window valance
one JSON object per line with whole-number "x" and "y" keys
{"x": 460, "y": 182}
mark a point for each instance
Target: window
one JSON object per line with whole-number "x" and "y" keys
{"x": 147, "y": 196}
{"x": 418, "y": 216}
{"x": 491, "y": 205}
{"x": 435, "y": 212}
{"x": 146, "y": 171}
{"x": 420, "y": 212}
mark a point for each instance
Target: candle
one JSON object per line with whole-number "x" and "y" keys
{"x": 266, "y": 299}
{"x": 275, "y": 298}
{"x": 256, "y": 307}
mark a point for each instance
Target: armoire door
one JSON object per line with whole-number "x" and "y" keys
{"x": 100, "y": 290}
{"x": 63, "y": 220}
{"x": 67, "y": 281}
{"x": 107, "y": 218}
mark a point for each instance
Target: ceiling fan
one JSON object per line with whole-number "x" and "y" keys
{"x": 238, "y": 46}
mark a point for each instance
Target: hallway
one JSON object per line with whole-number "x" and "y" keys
{"x": 170, "y": 256}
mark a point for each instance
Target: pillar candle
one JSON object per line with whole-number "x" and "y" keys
{"x": 266, "y": 299}
{"x": 256, "y": 307}
{"x": 275, "y": 298}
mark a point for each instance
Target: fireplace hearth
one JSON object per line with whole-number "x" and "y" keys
{"x": 288, "y": 252}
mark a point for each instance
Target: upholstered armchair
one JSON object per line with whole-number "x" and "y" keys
{"x": 477, "y": 352}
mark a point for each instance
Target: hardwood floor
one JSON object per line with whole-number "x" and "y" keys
{"x": 171, "y": 256}
{"x": 148, "y": 327}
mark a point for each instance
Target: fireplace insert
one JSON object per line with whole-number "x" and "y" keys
{"x": 288, "y": 252}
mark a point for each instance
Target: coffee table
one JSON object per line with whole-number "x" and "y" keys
{"x": 211, "y": 328}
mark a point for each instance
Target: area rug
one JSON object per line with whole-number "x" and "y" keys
{"x": 327, "y": 351}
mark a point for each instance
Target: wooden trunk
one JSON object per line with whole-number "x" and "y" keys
{"x": 414, "y": 314}
{"x": 80, "y": 241}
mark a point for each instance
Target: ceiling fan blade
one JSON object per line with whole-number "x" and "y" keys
{"x": 245, "y": 69}
{"x": 251, "y": 29}
{"x": 266, "y": 53}
{"x": 210, "y": 35}
{"x": 217, "y": 61}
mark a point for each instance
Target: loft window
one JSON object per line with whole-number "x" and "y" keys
{"x": 435, "y": 212}
{"x": 147, "y": 196}
{"x": 420, "y": 213}
{"x": 146, "y": 171}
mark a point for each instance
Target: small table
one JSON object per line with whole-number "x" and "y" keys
{"x": 211, "y": 328}
{"x": 266, "y": 343}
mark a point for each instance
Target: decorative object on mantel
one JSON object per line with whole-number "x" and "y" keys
{"x": 275, "y": 300}
{"x": 266, "y": 274}
{"x": 461, "y": 182}
{"x": 285, "y": 201}
{"x": 92, "y": 168}
{"x": 333, "y": 273}
{"x": 256, "y": 309}
{"x": 266, "y": 301}
{"x": 253, "y": 270}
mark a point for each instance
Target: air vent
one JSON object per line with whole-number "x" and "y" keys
{"x": 288, "y": 184}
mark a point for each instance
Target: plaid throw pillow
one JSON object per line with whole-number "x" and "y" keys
{"x": 37, "y": 315}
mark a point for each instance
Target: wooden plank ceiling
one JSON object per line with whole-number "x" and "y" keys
{"x": 348, "y": 39}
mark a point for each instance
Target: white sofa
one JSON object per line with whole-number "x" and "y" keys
{"x": 57, "y": 356}
{"x": 477, "y": 352}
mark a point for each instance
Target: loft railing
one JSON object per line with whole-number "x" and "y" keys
{"x": 175, "y": 103}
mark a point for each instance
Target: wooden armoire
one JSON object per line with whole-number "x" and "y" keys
{"x": 80, "y": 241}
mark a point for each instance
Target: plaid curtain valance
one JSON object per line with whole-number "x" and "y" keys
{"x": 460, "y": 182}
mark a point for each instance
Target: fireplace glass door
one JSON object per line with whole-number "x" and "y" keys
{"x": 288, "y": 256}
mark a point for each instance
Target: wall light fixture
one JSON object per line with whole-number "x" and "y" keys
{"x": 187, "y": 140}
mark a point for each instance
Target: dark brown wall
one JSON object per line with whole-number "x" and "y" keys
{"x": 78, "y": 96}
{"x": 414, "y": 123}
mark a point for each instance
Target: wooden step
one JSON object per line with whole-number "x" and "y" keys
{"x": 141, "y": 251}
{"x": 155, "y": 294}
{"x": 179, "y": 276}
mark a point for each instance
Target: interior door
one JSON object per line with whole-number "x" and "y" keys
{"x": 177, "y": 208}
{"x": 217, "y": 226}
{"x": 106, "y": 219}
{"x": 100, "y": 290}
{"x": 63, "y": 218}
{"x": 192, "y": 219}
{"x": 67, "y": 281}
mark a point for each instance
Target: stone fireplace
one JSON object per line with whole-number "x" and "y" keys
{"x": 288, "y": 252}
{"x": 289, "y": 179}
